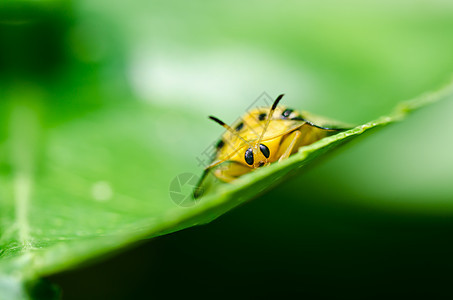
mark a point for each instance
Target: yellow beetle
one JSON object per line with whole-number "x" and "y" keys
{"x": 259, "y": 138}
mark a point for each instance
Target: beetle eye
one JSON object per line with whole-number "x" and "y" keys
{"x": 265, "y": 150}
{"x": 249, "y": 156}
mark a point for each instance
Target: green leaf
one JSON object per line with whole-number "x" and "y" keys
{"x": 78, "y": 190}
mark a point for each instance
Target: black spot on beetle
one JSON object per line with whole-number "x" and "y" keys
{"x": 262, "y": 116}
{"x": 220, "y": 144}
{"x": 239, "y": 126}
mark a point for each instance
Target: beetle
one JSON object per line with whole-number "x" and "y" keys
{"x": 259, "y": 138}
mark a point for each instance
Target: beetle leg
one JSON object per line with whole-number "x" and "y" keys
{"x": 227, "y": 172}
{"x": 231, "y": 171}
{"x": 224, "y": 176}
{"x": 288, "y": 145}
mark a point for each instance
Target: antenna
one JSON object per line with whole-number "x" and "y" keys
{"x": 227, "y": 127}
{"x": 269, "y": 116}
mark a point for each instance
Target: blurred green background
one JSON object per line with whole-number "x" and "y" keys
{"x": 374, "y": 219}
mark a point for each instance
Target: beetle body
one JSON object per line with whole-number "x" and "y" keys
{"x": 259, "y": 138}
